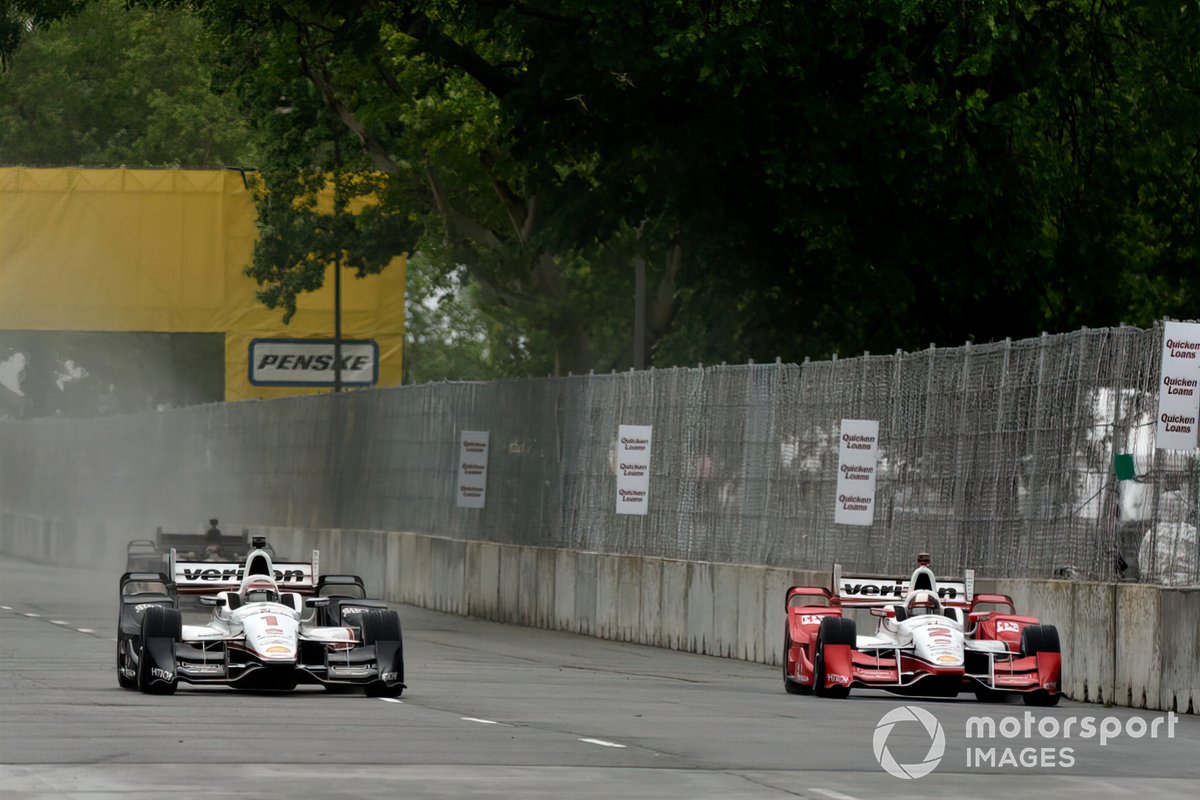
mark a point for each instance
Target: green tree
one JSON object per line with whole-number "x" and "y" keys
{"x": 449, "y": 106}
{"x": 799, "y": 177}
{"x": 447, "y": 338}
{"x": 933, "y": 171}
{"x": 19, "y": 17}
{"x": 115, "y": 86}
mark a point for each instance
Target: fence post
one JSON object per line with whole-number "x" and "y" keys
{"x": 962, "y": 430}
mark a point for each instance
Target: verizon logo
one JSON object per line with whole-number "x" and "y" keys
{"x": 229, "y": 575}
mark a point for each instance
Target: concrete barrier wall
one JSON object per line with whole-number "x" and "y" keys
{"x": 1126, "y": 644}
{"x": 1179, "y": 621}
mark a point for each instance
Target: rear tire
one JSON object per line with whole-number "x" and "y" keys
{"x": 833, "y": 630}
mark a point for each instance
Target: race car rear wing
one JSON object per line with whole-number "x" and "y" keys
{"x": 210, "y": 577}
{"x": 876, "y": 591}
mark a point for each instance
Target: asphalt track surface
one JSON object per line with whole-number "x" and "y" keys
{"x": 495, "y": 711}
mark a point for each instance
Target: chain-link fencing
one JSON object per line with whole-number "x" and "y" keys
{"x": 998, "y": 457}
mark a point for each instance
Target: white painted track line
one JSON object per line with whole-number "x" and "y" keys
{"x": 602, "y": 743}
{"x": 832, "y": 795}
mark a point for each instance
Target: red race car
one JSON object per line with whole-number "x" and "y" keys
{"x": 933, "y": 638}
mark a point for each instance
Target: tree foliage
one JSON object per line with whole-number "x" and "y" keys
{"x": 405, "y": 105}
{"x": 803, "y": 177}
{"x": 19, "y": 17}
{"x": 800, "y": 177}
{"x": 113, "y": 86}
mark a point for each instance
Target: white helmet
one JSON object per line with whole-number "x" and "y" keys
{"x": 260, "y": 589}
{"x": 923, "y": 602}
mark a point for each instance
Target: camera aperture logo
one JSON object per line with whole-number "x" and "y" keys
{"x": 933, "y": 728}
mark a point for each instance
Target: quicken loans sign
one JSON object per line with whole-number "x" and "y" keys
{"x": 1179, "y": 387}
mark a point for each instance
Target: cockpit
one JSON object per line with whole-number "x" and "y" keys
{"x": 923, "y": 602}
{"x": 260, "y": 589}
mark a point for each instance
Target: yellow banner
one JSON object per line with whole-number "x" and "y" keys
{"x": 165, "y": 251}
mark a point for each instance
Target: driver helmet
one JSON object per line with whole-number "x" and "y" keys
{"x": 260, "y": 589}
{"x": 923, "y": 603}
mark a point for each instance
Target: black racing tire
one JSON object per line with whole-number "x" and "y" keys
{"x": 1040, "y": 639}
{"x": 1031, "y": 640}
{"x": 341, "y": 688}
{"x": 1050, "y": 642}
{"x": 1040, "y": 698}
{"x": 378, "y": 689}
{"x": 162, "y": 622}
{"x": 833, "y": 630}
{"x": 984, "y": 695}
{"x": 122, "y": 681}
{"x": 381, "y": 625}
{"x": 790, "y": 685}
{"x": 158, "y": 623}
{"x": 839, "y": 630}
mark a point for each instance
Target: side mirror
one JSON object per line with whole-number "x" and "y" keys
{"x": 316, "y": 602}
{"x": 209, "y": 600}
{"x": 881, "y": 612}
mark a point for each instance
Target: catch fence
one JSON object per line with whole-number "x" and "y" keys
{"x": 998, "y": 457}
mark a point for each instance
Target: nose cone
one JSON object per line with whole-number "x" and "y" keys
{"x": 272, "y": 635}
{"x": 946, "y": 660}
{"x": 939, "y": 644}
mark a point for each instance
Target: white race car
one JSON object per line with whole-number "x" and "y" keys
{"x": 265, "y": 632}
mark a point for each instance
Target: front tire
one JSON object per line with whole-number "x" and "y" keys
{"x": 162, "y": 627}
{"x": 833, "y": 630}
{"x": 1040, "y": 639}
{"x": 340, "y": 688}
{"x": 382, "y": 629}
{"x": 1040, "y": 698}
{"x": 990, "y": 696}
